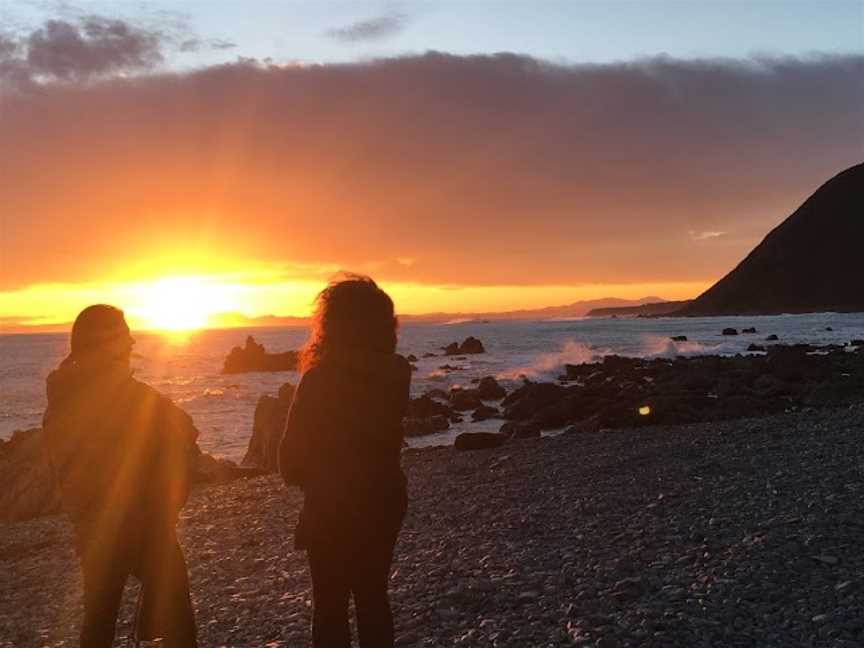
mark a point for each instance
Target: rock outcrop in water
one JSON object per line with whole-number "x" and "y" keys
{"x": 253, "y": 357}
{"x": 811, "y": 262}
{"x": 469, "y": 346}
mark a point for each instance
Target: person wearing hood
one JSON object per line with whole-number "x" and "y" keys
{"x": 121, "y": 454}
{"x": 342, "y": 445}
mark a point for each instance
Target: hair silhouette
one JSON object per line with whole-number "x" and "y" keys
{"x": 351, "y": 313}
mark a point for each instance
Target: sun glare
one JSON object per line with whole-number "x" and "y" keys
{"x": 178, "y": 303}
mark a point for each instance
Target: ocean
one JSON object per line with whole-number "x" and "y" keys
{"x": 187, "y": 367}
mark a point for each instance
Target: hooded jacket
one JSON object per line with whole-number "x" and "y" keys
{"x": 120, "y": 451}
{"x": 342, "y": 445}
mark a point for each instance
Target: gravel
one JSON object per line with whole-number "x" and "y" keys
{"x": 740, "y": 533}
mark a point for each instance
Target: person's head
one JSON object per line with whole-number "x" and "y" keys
{"x": 100, "y": 335}
{"x": 351, "y": 314}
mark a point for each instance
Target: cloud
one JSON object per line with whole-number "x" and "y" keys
{"x": 501, "y": 169}
{"x": 705, "y": 236}
{"x": 373, "y": 29}
{"x": 92, "y": 46}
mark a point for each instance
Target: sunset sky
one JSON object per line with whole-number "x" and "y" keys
{"x": 183, "y": 159}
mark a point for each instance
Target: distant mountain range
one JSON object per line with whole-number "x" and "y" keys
{"x": 812, "y": 262}
{"x": 576, "y": 309}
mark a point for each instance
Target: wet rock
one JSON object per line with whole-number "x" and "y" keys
{"x": 478, "y": 441}
{"x": 772, "y": 338}
{"x": 489, "y": 389}
{"x": 485, "y": 412}
{"x": 730, "y": 331}
{"x": 525, "y": 401}
{"x": 755, "y": 347}
{"x": 253, "y": 357}
{"x": 679, "y": 338}
{"x": 519, "y": 430}
{"x": 751, "y": 329}
{"x": 465, "y": 399}
{"x": 469, "y": 346}
{"x": 426, "y": 407}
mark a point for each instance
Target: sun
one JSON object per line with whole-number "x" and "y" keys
{"x": 177, "y": 303}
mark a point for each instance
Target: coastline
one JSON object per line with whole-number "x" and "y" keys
{"x": 741, "y": 532}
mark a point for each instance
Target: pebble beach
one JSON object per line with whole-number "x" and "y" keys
{"x": 734, "y": 533}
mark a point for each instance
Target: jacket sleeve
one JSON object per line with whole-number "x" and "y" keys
{"x": 294, "y": 449}
{"x": 176, "y": 455}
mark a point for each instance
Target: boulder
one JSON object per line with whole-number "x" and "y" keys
{"x": 485, "y": 412}
{"x": 469, "y": 346}
{"x": 679, "y": 338}
{"x": 27, "y": 487}
{"x": 465, "y": 399}
{"x": 426, "y": 407}
{"x": 489, "y": 389}
{"x": 856, "y": 343}
{"x": 752, "y": 329}
{"x": 730, "y": 331}
{"x": 529, "y": 398}
{"x": 253, "y": 357}
{"x": 411, "y": 358}
{"x": 267, "y": 429}
{"x": 755, "y": 347}
{"x": 772, "y": 338}
{"x": 215, "y": 470}
{"x": 440, "y": 422}
{"x": 478, "y": 441}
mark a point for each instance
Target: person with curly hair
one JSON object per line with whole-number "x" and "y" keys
{"x": 342, "y": 446}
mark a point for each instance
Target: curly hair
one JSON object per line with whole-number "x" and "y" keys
{"x": 351, "y": 313}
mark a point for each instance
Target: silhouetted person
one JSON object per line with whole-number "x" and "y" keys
{"x": 342, "y": 446}
{"x": 122, "y": 455}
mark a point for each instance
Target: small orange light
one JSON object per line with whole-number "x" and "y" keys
{"x": 644, "y": 410}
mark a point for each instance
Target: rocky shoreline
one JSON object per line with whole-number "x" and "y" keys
{"x": 734, "y": 533}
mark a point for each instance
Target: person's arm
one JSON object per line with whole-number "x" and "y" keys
{"x": 177, "y": 453}
{"x": 294, "y": 446}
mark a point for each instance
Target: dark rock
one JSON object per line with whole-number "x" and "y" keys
{"x": 429, "y": 355}
{"x": 730, "y": 331}
{"x": 465, "y": 399}
{"x": 828, "y": 328}
{"x": 489, "y": 389}
{"x": 485, "y": 412}
{"x": 519, "y": 430}
{"x": 253, "y": 357}
{"x": 772, "y": 338}
{"x": 470, "y": 345}
{"x": 213, "y": 470}
{"x": 411, "y": 358}
{"x": 425, "y": 407}
{"x": 679, "y": 338}
{"x": 437, "y": 393}
{"x": 856, "y": 343}
{"x": 267, "y": 429}
{"x": 752, "y": 329}
{"x": 755, "y": 347}
{"x": 27, "y": 487}
{"x": 478, "y": 441}
{"x": 524, "y": 402}
{"x": 451, "y": 349}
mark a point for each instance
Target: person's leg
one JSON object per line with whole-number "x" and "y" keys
{"x": 330, "y": 591}
{"x": 166, "y": 609}
{"x": 370, "y": 577}
{"x": 105, "y": 572}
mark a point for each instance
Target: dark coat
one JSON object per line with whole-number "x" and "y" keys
{"x": 342, "y": 445}
{"x": 121, "y": 452}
